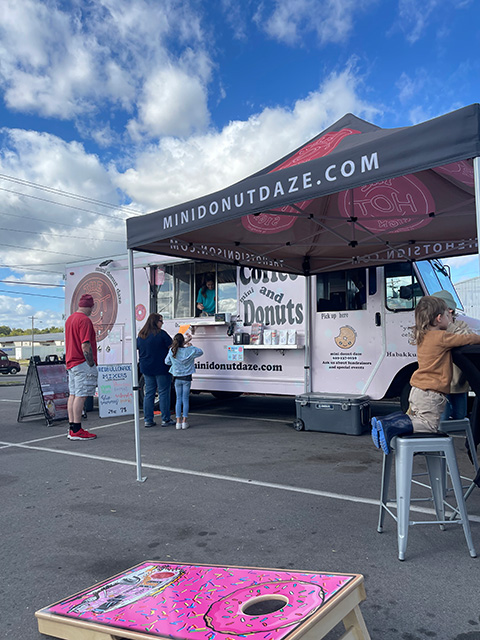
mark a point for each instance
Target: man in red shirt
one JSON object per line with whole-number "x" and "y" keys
{"x": 81, "y": 363}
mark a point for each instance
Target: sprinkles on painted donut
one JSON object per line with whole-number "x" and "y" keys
{"x": 295, "y": 599}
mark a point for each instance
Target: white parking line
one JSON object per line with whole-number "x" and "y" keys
{"x": 223, "y": 478}
{"x": 5, "y": 400}
{"x": 232, "y": 417}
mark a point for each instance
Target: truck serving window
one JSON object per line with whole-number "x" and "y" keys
{"x": 342, "y": 290}
{"x": 173, "y": 284}
{"x": 402, "y": 289}
{"x": 177, "y": 287}
{"x": 225, "y": 279}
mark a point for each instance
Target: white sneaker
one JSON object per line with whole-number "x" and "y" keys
{"x": 178, "y": 425}
{"x": 185, "y": 425}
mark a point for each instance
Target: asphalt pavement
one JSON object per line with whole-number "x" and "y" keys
{"x": 240, "y": 487}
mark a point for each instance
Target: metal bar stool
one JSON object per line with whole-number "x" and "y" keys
{"x": 457, "y": 426}
{"x": 439, "y": 451}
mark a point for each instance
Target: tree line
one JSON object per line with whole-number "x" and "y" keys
{"x": 7, "y": 331}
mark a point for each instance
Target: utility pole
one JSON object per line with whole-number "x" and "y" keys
{"x": 33, "y": 318}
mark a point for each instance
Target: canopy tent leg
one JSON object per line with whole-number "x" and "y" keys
{"x": 308, "y": 328}
{"x": 476, "y": 175}
{"x": 136, "y": 400}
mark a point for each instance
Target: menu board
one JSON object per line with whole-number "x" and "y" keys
{"x": 54, "y": 386}
{"x": 115, "y": 392}
{"x": 45, "y": 392}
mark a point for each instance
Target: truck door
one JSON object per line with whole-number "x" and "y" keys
{"x": 348, "y": 334}
{"x": 401, "y": 292}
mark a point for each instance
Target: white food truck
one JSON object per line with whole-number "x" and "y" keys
{"x": 360, "y": 322}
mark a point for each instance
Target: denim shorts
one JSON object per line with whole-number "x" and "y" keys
{"x": 82, "y": 380}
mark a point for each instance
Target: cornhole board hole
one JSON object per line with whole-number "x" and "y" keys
{"x": 210, "y": 602}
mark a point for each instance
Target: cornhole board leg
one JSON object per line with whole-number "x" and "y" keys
{"x": 355, "y": 626}
{"x": 346, "y": 611}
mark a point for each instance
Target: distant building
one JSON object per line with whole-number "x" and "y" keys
{"x": 469, "y": 292}
{"x": 44, "y": 344}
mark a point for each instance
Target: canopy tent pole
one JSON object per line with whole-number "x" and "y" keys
{"x": 308, "y": 326}
{"x": 136, "y": 388}
{"x": 476, "y": 176}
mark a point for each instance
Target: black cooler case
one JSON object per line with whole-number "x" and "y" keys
{"x": 333, "y": 413}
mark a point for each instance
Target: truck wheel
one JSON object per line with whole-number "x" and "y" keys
{"x": 13, "y": 371}
{"x": 298, "y": 425}
{"x": 226, "y": 395}
{"x": 405, "y": 392}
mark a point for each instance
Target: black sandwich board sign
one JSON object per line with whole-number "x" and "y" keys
{"x": 45, "y": 392}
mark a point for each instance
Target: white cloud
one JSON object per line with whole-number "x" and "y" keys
{"x": 17, "y": 314}
{"x": 69, "y": 64}
{"x": 178, "y": 170}
{"x": 414, "y": 17}
{"x": 14, "y": 308}
{"x": 329, "y": 20}
{"x": 173, "y": 103}
{"x": 49, "y": 232}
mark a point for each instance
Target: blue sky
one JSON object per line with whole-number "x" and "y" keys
{"x": 111, "y": 108}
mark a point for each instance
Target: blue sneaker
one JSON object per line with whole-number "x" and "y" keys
{"x": 375, "y": 436}
{"x": 391, "y": 426}
{"x": 167, "y": 423}
{"x": 382, "y": 438}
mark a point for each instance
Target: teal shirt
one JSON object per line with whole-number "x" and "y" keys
{"x": 208, "y": 301}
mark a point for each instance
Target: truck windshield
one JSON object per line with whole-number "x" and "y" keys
{"x": 436, "y": 277}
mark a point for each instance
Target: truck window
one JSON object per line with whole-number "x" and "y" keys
{"x": 173, "y": 290}
{"x": 342, "y": 290}
{"x": 226, "y": 289}
{"x": 182, "y": 290}
{"x": 225, "y": 277}
{"x": 436, "y": 277}
{"x": 164, "y": 291}
{"x": 402, "y": 290}
{"x": 177, "y": 287}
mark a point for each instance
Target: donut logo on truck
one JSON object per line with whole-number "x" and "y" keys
{"x": 266, "y": 223}
{"x": 105, "y": 309}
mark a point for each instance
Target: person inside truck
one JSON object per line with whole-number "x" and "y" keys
{"x": 206, "y": 296}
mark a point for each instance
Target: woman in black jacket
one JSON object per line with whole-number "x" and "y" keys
{"x": 153, "y": 344}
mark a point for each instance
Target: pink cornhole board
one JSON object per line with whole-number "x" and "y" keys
{"x": 207, "y": 602}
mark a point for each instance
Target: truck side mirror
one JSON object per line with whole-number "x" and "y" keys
{"x": 406, "y": 292}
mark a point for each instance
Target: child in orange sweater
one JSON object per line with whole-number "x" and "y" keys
{"x": 431, "y": 381}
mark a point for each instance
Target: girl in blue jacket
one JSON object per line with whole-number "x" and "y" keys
{"x": 181, "y": 358}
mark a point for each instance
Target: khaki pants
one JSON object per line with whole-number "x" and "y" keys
{"x": 426, "y": 408}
